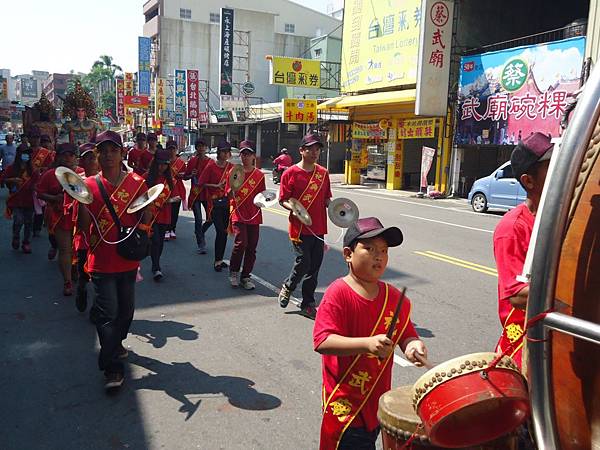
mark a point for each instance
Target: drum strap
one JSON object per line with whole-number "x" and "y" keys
{"x": 347, "y": 399}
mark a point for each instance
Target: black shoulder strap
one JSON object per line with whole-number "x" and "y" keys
{"x": 107, "y": 201}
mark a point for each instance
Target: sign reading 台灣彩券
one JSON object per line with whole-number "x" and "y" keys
{"x": 415, "y": 128}
{"x": 506, "y": 95}
{"x": 381, "y": 44}
{"x": 295, "y": 72}
{"x": 226, "y": 51}
{"x": 298, "y": 111}
{"x": 368, "y": 131}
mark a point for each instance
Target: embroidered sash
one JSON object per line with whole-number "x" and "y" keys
{"x": 26, "y": 181}
{"x": 512, "y": 335}
{"x": 122, "y": 196}
{"x": 196, "y": 189}
{"x": 218, "y": 193}
{"x": 310, "y": 194}
{"x": 160, "y": 201}
{"x": 41, "y": 158}
{"x": 246, "y": 190}
{"x": 344, "y": 404}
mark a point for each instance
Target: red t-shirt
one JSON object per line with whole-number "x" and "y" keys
{"x": 283, "y": 161}
{"x": 199, "y": 164}
{"x": 133, "y": 158}
{"x": 293, "y": 183}
{"x": 49, "y": 185}
{"x": 104, "y": 258}
{"x": 511, "y": 241}
{"x": 23, "y": 197}
{"x": 179, "y": 188}
{"x": 164, "y": 214}
{"x": 144, "y": 161}
{"x": 247, "y": 212}
{"x": 345, "y": 313}
{"x": 212, "y": 174}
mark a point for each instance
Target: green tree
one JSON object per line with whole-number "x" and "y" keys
{"x": 100, "y": 82}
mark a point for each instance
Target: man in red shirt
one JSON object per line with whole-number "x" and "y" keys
{"x": 179, "y": 194}
{"x": 147, "y": 155}
{"x": 282, "y": 162}
{"x": 529, "y": 161}
{"x": 112, "y": 275}
{"x": 351, "y": 335}
{"x": 308, "y": 183}
{"x": 194, "y": 168}
{"x": 133, "y": 157}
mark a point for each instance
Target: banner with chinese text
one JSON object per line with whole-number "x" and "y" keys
{"x": 136, "y": 102}
{"x": 506, "y": 95}
{"x": 160, "y": 96}
{"x": 179, "y": 101}
{"x": 295, "y": 110}
{"x": 129, "y": 81}
{"x": 144, "y": 45}
{"x": 416, "y": 128}
{"x": 427, "y": 154}
{"x": 295, "y": 72}
{"x": 193, "y": 94}
{"x": 226, "y": 51}
{"x": 380, "y": 44}
{"x": 368, "y": 131}
{"x": 120, "y": 94}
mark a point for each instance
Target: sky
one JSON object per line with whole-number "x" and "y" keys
{"x": 63, "y": 35}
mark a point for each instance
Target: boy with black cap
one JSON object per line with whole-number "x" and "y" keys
{"x": 350, "y": 332}
{"x": 529, "y": 161}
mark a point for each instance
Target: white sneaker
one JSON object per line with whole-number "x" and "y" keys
{"x": 234, "y": 279}
{"x": 247, "y": 284}
{"x": 157, "y": 275}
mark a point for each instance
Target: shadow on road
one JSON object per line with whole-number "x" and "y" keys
{"x": 158, "y": 332}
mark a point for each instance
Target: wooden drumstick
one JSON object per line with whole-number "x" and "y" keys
{"x": 392, "y": 328}
{"x": 423, "y": 360}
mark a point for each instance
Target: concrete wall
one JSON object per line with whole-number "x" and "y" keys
{"x": 592, "y": 49}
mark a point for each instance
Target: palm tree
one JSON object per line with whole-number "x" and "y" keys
{"x": 101, "y": 80}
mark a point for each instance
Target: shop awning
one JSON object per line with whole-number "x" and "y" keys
{"x": 329, "y": 103}
{"x": 379, "y": 98}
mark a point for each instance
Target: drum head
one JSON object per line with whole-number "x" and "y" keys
{"x": 73, "y": 185}
{"x": 145, "y": 199}
{"x": 396, "y": 413}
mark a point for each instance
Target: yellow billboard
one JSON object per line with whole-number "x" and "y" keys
{"x": 160, "y": 96}
{"x": 380, "y": 44}
{"x": 295, "y": 110}
{"x": 295, "y": 72}
{"x": 129, "y": 81}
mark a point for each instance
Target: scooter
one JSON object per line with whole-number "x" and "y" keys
{"x": 277, "y": 175}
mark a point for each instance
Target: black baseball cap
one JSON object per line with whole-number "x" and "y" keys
{"x": 66, "y": 147}
{"x": 531, "y": 150}
{"x": 223, "y": 146}
{"x": 163, "y": 156}
{"x": 370, "y": 227}
{"x": 200, "y": 142}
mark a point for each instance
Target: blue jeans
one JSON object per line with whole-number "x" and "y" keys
{"x": 358, "y": 439}
{"x": 198, "y": 230}
{"x": 113, "y": 309}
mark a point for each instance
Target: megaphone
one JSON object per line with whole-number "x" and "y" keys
{"x": 146, "y": 198}
{"x": 343, "y": 212}
{"x": 236, "y": 177}
{"x": 74, "y": 185}
{"x": 300, "y": 212}
{"x": 266, "y": 199}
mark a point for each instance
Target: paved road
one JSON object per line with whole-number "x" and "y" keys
{"x": 217, "y": 368}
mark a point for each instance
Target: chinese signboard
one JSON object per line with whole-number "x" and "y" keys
{"x": 298, "y": 111}
{"x": 144, "y": 44}
{"x": 381, "y": 44}
{"x": 29, "y": 87}
{"x": 136, "y": 101}
{"x": 368, "y": 131}
{"x": 3, "y": 88}
{"x": 179, "y": 97}
{"x": 416, "y": 128}
{"x": 129, "y": 83}
{"x": 202, "y": 117}
{"x": 427, "y": 154}
{"x": 434, "y": 58}
{"x": 193, "y": 94}
{"x": 295, "y": 72}
{"x": 160, "y": 96}
{"x": 506, "y": 95}
{"x": 120, "y": 95}
{"x": 226, "y": 78}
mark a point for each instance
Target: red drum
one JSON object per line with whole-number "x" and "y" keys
{"x": 399, "y": 423}
{"x": 463, "y": 402}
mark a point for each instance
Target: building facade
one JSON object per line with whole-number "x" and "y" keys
{"x": 28, "y": 88}
{"x": 55, "y": 87}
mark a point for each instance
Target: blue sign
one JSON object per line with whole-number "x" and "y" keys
{"x": 179, "y": 97}
{"x": 144, "y": 46}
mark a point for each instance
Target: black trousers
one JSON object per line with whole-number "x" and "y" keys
{"x": 175, "y": 207}
{"x": 358, "y": 439}
{"x": 113, "y": 309}
{"x": 157, "y": 244}
{"x": 309, "y": 256}
{"x": 220, "y": 219}
{"x": 82, "y": 276}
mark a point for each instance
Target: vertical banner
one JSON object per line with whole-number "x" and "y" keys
{"x": 120, "y": 95}
{"x": 3, "y": 88}
{"x": 433, "y": 70}
{"x": 160, "y": 98}
{"x": 128, "y": 83}
{"x": 179, "y": 98}
{"x": 427, "y": 155}
{"x": 144, "y": 45}
{"x": 193, "y": 93}
{"x": 226, "y": 51}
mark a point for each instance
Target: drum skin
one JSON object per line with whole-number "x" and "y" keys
{"x": 575, "y": 363}
{"x": 399, "y": 422}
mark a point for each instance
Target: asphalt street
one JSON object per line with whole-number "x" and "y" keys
{"x": 211, "y": 367}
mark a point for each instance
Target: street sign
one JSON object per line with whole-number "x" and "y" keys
{"x": 248, "y": 88}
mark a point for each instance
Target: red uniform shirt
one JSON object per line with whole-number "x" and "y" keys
{"x": 23, "y": 197}
{"x": 345, "y": 313}
{"x": 144, "y": 161}
{"x": 199, "y": 164}
{"x": 49, "y": 185}
{"x": 104, "y": 258}
{"x": 247, "y": 211}
{"x": 164, "y": 214}
{"x": 179, "y": 188}
{"x": 293, "y": 184}
{"x": 213, "y": 174}
{"x": 283, "y": 161}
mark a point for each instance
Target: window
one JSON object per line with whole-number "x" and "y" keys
{"x": 507, "y": 172}
{"x": 290, "y": 28}
{"x": 185, "y": 13}
{"x": 215, "y": 18}
{"x": 318, "y": 52}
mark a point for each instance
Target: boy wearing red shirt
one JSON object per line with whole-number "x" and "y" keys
{"x": 133, "y": 157}
{"x": 194, "y": 168}
{"x": 529, "y": 160}
{"x": 246, "y": 218}
{"x": 179, "y": 194}
{"x": 308, "y": 183}
{"x": 350, "y": 332}
{"x": 147, "y": 155}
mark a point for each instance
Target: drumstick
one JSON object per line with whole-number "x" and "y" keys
{"x": 391, "y": 329}
{"x": 423, "y": 360}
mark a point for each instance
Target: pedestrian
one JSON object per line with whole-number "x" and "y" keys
{"x": 147, "y": 155}
{"x": 529, "y": 161}
{"x": 197, "y": 198}
{"x": 20, "y": 178}
{"x": 308, "y": 183}
{"x": 160, "y": 172}
{"x": 112, "y": 275}
{"x": 133, "y": 157}
{"x": 60, "y": 225}
{"x": 8, "y": 151}
{"x": 350, "y": 333}
{"x": 88, "y": 163}
{"x": 178, "y": 173}
{"x": 246, "y": 218}
{"x": 213, "y": 178}
{"x": 41, "y": 160}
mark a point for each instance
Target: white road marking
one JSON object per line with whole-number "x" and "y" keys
{"x": 446, "y": 223}
{"x": 401, "y": 361}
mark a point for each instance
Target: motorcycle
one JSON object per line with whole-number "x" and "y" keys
{"x": 276, "y": 175}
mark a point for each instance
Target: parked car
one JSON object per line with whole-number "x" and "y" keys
{"x": 187, "y": 152}
{"x": 500, "y": 190}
